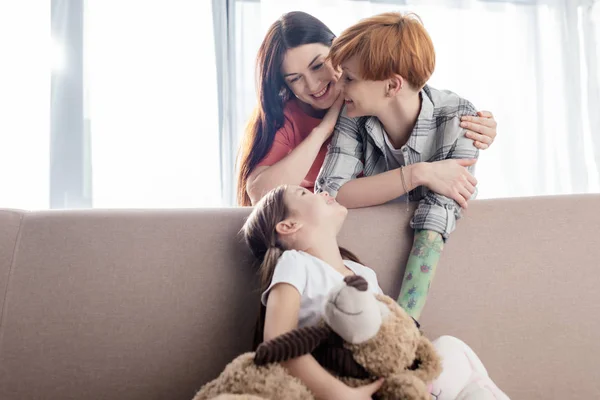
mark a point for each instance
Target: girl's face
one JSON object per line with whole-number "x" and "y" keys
{"x": 312, "y": 218}
{"x": 310, "y": 77}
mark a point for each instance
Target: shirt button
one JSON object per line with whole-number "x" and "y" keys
{"x": 322, "y": 181}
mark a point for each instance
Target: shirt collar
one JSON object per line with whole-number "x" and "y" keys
{"x": 420, "y": 133}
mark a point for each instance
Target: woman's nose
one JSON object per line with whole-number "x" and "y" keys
{"x": 313, "y": 83}
{"x": 324, "y": 194}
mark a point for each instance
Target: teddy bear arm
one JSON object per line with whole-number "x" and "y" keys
{"x": 429, "y": 365}
{"x": 404, "y": 386}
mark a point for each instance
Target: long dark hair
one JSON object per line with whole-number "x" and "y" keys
{"x": 261, "y": 237}
{"x": 292, "y": 30}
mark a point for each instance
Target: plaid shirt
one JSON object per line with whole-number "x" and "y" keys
{"x": 358, "y": 149}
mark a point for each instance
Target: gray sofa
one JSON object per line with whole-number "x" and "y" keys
{"x": 140, "y": 305}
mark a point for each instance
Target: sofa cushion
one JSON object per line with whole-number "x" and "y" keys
{"x": 10, "y": 222}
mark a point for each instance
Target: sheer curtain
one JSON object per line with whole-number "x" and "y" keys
{"x": 27, "y": 60}
{"x": 154, "y": 129}
{"x": 108, "y": 103}
{"x": 151, "y": 101}
{"x": 532, "y": 63}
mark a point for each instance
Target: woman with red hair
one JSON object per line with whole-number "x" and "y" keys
{"x": 393, "y": 130}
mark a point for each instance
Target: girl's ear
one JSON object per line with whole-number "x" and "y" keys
{"x": 288, "y": 226}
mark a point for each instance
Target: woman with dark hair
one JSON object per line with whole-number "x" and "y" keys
{"x": 298, "y": 105}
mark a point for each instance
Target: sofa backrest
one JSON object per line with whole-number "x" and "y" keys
{"x": 139, "y": 305}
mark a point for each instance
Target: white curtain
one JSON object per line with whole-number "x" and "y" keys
{"x": 26, "y": 62}
{"x": 152, "y": 103}
{"x": 149, "y": 136}
{"x": 534, "y": 64}
{"x": 151, "y": 133}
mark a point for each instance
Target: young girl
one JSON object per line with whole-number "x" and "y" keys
{"x": 293, "y": 232}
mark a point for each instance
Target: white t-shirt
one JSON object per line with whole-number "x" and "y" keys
{"x": 314, "y": 279}
{"x": 393, "y": 156}
{"x": 395, "y": 159}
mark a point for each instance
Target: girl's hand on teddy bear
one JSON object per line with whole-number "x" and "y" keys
{"x": 365, "y": 392}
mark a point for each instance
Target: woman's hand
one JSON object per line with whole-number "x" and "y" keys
{"x": 481, "y": 129}
{"x": 365, "y": 392}
{"x": 325, "y": 128}
{"x": 450, "y": 178}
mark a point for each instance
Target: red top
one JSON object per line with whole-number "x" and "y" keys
{"x": 297, "y": 126}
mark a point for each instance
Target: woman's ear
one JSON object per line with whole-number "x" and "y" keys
{"x": 394, "y": 85}
{"x": 288, "y": 227}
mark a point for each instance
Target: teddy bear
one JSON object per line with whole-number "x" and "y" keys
{"x": 382, "y": 339}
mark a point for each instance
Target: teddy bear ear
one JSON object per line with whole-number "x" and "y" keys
{"x": 427, "y": 365}
{"x": 290, "y": 345}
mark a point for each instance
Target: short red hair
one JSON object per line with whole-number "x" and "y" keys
{"x": 388, "y": 44}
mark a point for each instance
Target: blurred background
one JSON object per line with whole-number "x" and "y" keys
{"x": 142, "y": 103}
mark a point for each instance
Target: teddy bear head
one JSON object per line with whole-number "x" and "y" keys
{"x": 383, "y": 338}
